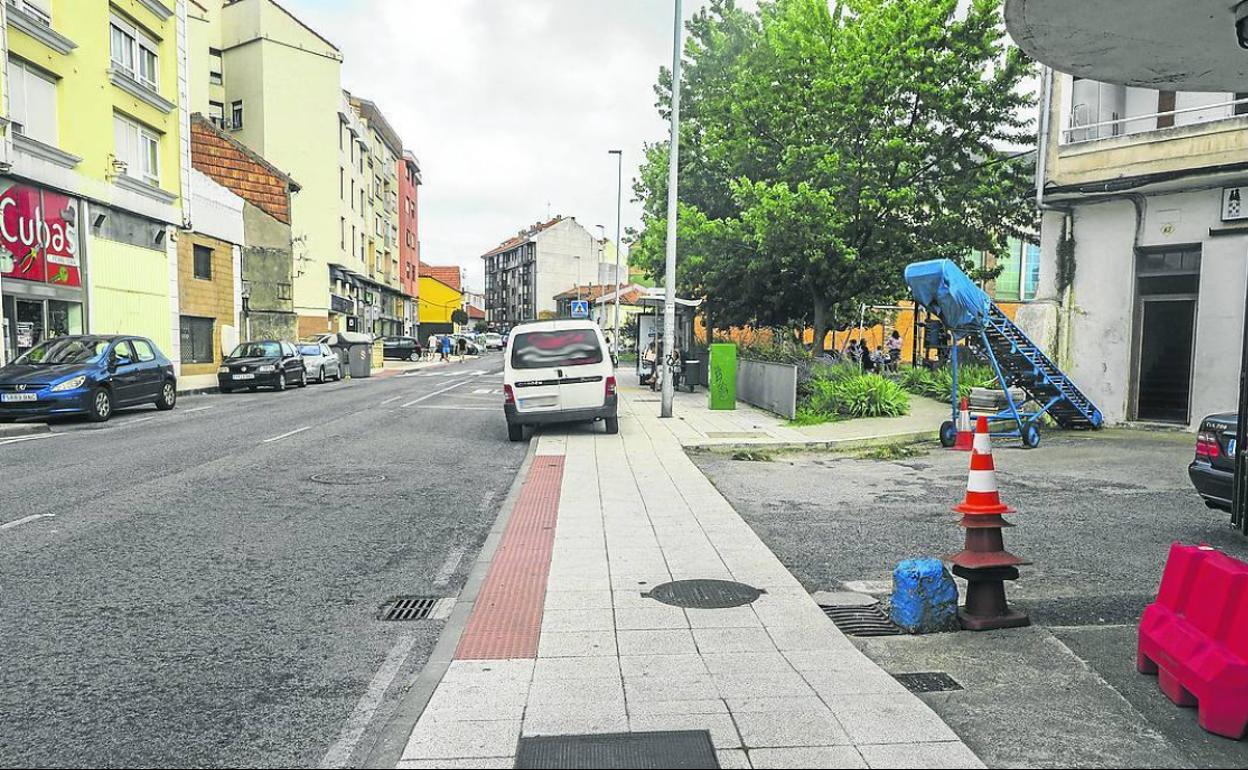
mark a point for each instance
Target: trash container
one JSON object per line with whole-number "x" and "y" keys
{"x": 360, "y": 359}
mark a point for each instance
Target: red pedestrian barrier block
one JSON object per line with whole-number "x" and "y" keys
{"x": 1195, "y": 637}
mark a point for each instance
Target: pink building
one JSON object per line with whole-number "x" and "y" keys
{"x": 409, "y": 235}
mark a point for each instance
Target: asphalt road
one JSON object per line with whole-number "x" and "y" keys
{"x": 1096, "y": 514}
{"x": 175, "y": 590}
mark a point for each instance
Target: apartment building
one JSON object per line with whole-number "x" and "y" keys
{"x": 409, "y": 239}
{"x": 524, "y": 273}
{"x": 388, "y": 306}
{"x": 1144, "y": 230}
{"x": 94, "y": 141}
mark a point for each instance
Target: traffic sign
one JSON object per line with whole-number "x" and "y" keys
{"x": 580, "y": 308}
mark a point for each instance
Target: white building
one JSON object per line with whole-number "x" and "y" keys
{"x": 1145, "y": 213}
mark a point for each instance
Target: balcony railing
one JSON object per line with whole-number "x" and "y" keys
{"x": 1077, "y": 133}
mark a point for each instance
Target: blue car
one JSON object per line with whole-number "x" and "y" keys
{"x": 91, "y": 375}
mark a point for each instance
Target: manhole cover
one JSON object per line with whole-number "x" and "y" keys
{"x": 348, "y": 479}
{"x": 928, "y": 681}
{"x": 664, "y": 749}
{"x": 705, "y": 594}
{"x": 861, "y": 621}
{"x": 415, "y": 608}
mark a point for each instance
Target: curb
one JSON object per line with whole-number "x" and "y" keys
{"x": 387, "y": 751}
{"x": 8, "y": 430}
{"x": 834, "y": 445}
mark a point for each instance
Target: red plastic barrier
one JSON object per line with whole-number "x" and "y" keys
{"x": 1195, "y": 637}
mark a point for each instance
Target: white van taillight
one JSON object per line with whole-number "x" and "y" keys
{"x": 611, "y": 386}
{"x": 509, "y": 395}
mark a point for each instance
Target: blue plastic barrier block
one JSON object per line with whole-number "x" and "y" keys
{"x": 925, "y": 598}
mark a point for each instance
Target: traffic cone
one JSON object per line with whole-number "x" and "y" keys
{"x": 983, "y": 560}
{"x": 966, "y": 436}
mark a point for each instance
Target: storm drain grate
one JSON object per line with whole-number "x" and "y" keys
{"x": 414, "y": 608}
{"x": 928, "y": 681}
{"x": 861, "y": 621}
{"x": 658, "y": 750}
{"x": 347, "y": 479}
{"x": 704, "y": 594}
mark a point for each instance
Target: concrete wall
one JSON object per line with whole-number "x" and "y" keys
{"x": 768, "y": 386}
{"x": 207, "y": 298}
{"x": 1093, "y": 333}
{"x": 267, "y": 268}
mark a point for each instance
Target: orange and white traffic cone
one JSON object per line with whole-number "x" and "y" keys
{"x": 966, "y": 436}
{"x": 983, "y": 560}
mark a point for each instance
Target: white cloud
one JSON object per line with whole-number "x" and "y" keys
{"x": 510, "y": 105}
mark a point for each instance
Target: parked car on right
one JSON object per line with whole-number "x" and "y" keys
{"x": 1213, "y": 470}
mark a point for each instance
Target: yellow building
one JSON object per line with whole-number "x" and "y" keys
{"x": 438, "y": 301}
{"x": 95, "y": 145}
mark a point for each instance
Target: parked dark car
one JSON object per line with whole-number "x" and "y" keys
{"x": 1213, "y": 470}
{"x": 262, "y": 364}
{"x": 408, "y": 348}
{"x": 86, "y": 374}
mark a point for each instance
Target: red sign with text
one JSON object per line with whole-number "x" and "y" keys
{"x": 39, "y": 236}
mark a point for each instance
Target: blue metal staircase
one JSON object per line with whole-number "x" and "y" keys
{"x": 1021, "y": 363}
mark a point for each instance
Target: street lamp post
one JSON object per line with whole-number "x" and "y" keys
{"x": 669, "y": 280}
{"x": 619, "y": 197}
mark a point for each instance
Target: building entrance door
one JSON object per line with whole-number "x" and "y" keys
{"x": 1167, "y": 332}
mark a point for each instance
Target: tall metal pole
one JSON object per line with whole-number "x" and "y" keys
{"x": 669, "y": 280}
{"x": 619, "y": 197}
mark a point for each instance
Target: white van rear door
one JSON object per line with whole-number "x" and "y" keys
{"x": 534, "y": 382}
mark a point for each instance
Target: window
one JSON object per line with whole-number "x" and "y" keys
{"x": 1242, "y": 107}
{"x": 134, "y": 53}
{"x": 216, "y": 114}
{"x": 143, "y": 349}
{"x": 123, "y": 354}
{"x": 40, "y": 9}
{"x": 214, "y": 66}
{"x": 32, "y": 102}
{"x": 1166, "y": 103}
{"x": 236, "y": 115}
{"x": 342, "y": 175}
{"x": 342, "y": 233}
{"x": 353, "y": 197}
{"x": 139, "y": 148}
{"x": 203, "y": 262}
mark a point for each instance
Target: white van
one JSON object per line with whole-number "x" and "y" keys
{"x": 558, "y": 371}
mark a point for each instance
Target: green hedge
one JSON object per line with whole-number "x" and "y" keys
{"x": 939, "y": 383}
{"x": 839, "y": 392}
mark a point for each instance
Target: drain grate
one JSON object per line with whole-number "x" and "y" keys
{"x": 861, "y": 621}
{"x": 347, "y": 479}
{"x": 658, "y": 750}
{"x": 413, "y": 608}
{"x": 928, "y": 681}
{"x": 704, "y": 594}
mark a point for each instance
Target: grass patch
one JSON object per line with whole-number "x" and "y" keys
{"x": 894, "y": 452}
{"x": 753, "y": 455}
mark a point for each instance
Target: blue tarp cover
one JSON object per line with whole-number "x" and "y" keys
{"x": 941, "y": 286}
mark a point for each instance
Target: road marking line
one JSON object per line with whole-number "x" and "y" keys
{"x": 388, "y": 400}
{"x": 196, "y": 409}
{"x": 23, "y": 520}
{"x": 447, "y": 570}
{"x": 452, "y": 386}
{"x": 28, "y": 438}
{"x": 287, "y": 435}
{"x": 340, "y": 753}
{"x": 133, "y": 422}
{"x": 453, "y": 407}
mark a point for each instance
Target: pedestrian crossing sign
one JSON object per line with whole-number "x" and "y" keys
{"x": 580, "y": 308}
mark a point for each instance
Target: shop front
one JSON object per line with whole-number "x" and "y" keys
{"x": 40, "y": 271}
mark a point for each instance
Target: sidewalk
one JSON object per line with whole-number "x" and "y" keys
{"x": 698, "y": 426}
{"x": 562, "y": 641}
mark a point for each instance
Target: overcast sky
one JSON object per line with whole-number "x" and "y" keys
{"x": 510, "y": 105}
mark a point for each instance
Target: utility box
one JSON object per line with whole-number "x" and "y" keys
{"x": 722, "y": 379}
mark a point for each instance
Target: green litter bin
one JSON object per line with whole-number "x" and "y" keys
{"x": 722, "y": 384}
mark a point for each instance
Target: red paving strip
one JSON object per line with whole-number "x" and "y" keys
{"x": 506, "y": 620}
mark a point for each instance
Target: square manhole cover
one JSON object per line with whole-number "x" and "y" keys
{"x": 928, "y": 681}
{"x": 658, "y": 750}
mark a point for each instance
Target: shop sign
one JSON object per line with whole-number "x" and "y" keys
{"x": 39, "y": 236}
{"x": 1234, "y": 204}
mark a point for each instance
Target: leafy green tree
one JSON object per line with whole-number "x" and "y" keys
{"x": 824, "y": 148}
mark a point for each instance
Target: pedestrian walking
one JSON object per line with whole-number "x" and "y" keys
{"x": 461, "y": 347}
{"x": 433, "y": 346}
{"x": 445, "y": 348}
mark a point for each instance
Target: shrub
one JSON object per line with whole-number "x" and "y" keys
{"x": 870, "y": 395}
{"x": 938, "y": 384}
{"x": 775, "y": 352}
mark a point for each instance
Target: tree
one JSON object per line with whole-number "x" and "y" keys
{"x": 823, "y": 149}
{"x": 459, "y": 317}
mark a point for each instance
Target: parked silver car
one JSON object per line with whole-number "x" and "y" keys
{"x": 320, "y": 362}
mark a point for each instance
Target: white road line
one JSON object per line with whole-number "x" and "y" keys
{"x": 447, "y": 570}
{"x": 136, "y": 421}
{"x": 456, "y": 408}
{"x": 23, "y": 520}
{"x": 452, "y": 386}
{"x": 196, "y": 409}
{"x": 479, "y": 391}
{"x": 339, "y": 754}
{"x": 391, "y": 399}
{"x": 287, "y": 435}
{"x": 39, "y": 437}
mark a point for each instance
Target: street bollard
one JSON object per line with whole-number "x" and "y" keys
{"x": 983, "y": 562}
{"x": 925, "y": 598}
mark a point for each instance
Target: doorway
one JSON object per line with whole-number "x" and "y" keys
{"x": 1167, "y": 287}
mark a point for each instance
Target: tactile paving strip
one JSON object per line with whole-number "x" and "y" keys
{"x": 506, "y": 620}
